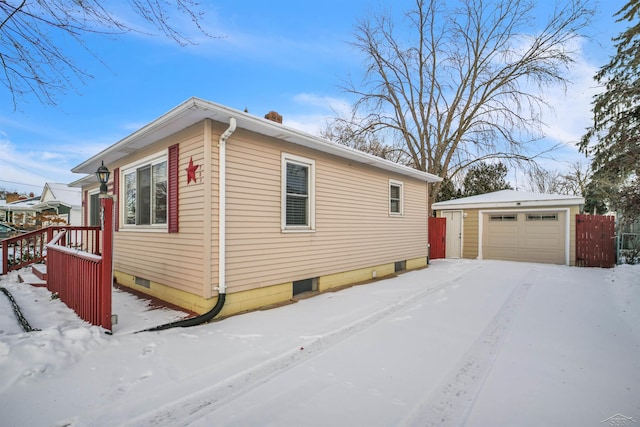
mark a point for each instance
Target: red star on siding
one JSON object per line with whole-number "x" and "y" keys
{"x": 191, "y": 171}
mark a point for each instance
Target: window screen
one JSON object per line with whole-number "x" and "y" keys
{"x": 297, "y": 194}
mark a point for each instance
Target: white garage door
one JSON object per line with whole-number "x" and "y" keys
{"x": 524, "y": 236}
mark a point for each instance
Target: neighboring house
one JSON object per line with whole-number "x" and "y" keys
{"x": 212, "y": 198}
{"x": 512, "y": 225}
{"x": 20, "y": 213}
{"x": 62, "y": 203}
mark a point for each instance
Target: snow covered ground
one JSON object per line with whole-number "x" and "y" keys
{"x": 473, "y": 343}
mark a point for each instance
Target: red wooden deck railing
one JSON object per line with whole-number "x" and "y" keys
{"x": 30, "y": 248}
{"x": 81, "y": 279}
{"x": 79, "y": 264}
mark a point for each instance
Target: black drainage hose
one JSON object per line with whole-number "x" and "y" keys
{"x": 16, "y": 309}
{"x": 198, "y": 320}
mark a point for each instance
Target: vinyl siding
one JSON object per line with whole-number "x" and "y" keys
{"x": 573, "y": 211}
{"x": 176, "y": 258}
{"x": 470, "y": 227}
{"x": 353, "y": 226}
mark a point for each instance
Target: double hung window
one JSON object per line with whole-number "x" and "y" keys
{"x": 396, "y": 198}
{"x": 298, "y": 202}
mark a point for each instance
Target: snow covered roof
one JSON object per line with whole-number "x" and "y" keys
{"x": 61, "y": 193}
{"x": 22, "y": 205}
{"x": 195, "y": 110}
{"x": 509, "y": 198}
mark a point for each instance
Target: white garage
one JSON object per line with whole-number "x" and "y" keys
{"x": 512, "y": 225}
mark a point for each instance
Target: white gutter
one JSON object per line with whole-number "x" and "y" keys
{"x": 222, "y": 206}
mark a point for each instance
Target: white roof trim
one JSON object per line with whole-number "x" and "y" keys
{"x": 509, "y": 199}
{"x": 195, "y": 110}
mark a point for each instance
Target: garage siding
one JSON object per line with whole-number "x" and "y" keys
{"x": 471, "y": 229}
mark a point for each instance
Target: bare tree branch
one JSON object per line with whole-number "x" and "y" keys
{"x": 34, "y": 36}
{"x": 457, "y": 85}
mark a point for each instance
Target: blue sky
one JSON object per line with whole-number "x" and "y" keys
{"x": 288, "y": 56}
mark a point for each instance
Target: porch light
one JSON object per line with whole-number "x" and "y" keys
{"x": 103, "y": 176}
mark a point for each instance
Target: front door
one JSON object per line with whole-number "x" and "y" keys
{"x": 454, "y": 233}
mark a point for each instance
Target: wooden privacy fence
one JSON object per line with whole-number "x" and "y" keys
{"x": 437, "y": 237}
{"x": 595, "y": 241}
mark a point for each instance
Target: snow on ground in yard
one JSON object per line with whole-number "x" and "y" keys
{"x": 473, "y": 343}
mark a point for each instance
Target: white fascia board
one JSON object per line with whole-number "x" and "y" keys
{"x": 195, "y": 110}
{"x": 87, "y": 179}
{"x": 509, "y": 205}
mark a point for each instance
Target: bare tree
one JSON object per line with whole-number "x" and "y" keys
{"x": 576, "y": 179}
{"x": 572, "y": 183}
{"x": 543, "y": 181}
{"x": 36, "y": 34}
{"x": 363, "y": 140}
{"x": 465, "y": 83}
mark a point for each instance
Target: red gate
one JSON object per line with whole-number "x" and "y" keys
{"x": 437, "y": 237}
{"x": 595, "y": 241}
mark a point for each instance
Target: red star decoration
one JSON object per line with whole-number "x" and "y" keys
{"x": 191, "y": 171}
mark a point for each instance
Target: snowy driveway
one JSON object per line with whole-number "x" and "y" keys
{"x": 474, "y": 343}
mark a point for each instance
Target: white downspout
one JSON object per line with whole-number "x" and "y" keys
{"x": 222, "y": 206}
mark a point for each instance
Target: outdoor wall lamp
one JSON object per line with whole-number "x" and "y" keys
{"x": 103, "y": 176}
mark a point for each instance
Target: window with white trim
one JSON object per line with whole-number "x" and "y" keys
{"x": 396, "y": 198}
{"x": 145, "y": 192}
{"x": 298, "y": 193}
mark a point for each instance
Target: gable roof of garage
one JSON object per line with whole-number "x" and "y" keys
{"x": 509, "y": 199}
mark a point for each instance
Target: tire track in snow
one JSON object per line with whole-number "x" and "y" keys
{"x": 205, "y": 401}
{"x": 451, "y": 404}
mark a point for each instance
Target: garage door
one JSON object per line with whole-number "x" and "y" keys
{"x": 524, "y": 236}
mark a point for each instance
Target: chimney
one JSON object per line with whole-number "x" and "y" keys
{"x": 12, "y": 197}
{"x": 273, "y": 116}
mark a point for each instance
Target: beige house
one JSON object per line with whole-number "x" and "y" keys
{"x": 513, "y": 226}
{"x": 211, "y": 200}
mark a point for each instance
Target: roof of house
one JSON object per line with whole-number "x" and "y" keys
{"x": 195, "y": 110}
{"x": 60, "y": 194}
{"x": 508, "y": 199}
{"x": 22, "y": 205}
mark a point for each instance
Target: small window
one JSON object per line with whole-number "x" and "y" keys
{"x": 507, "y": 217}
{"x": 542, "y": 217}
{"x": 396, "y": 198}
{"x": 298, "y": 182}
